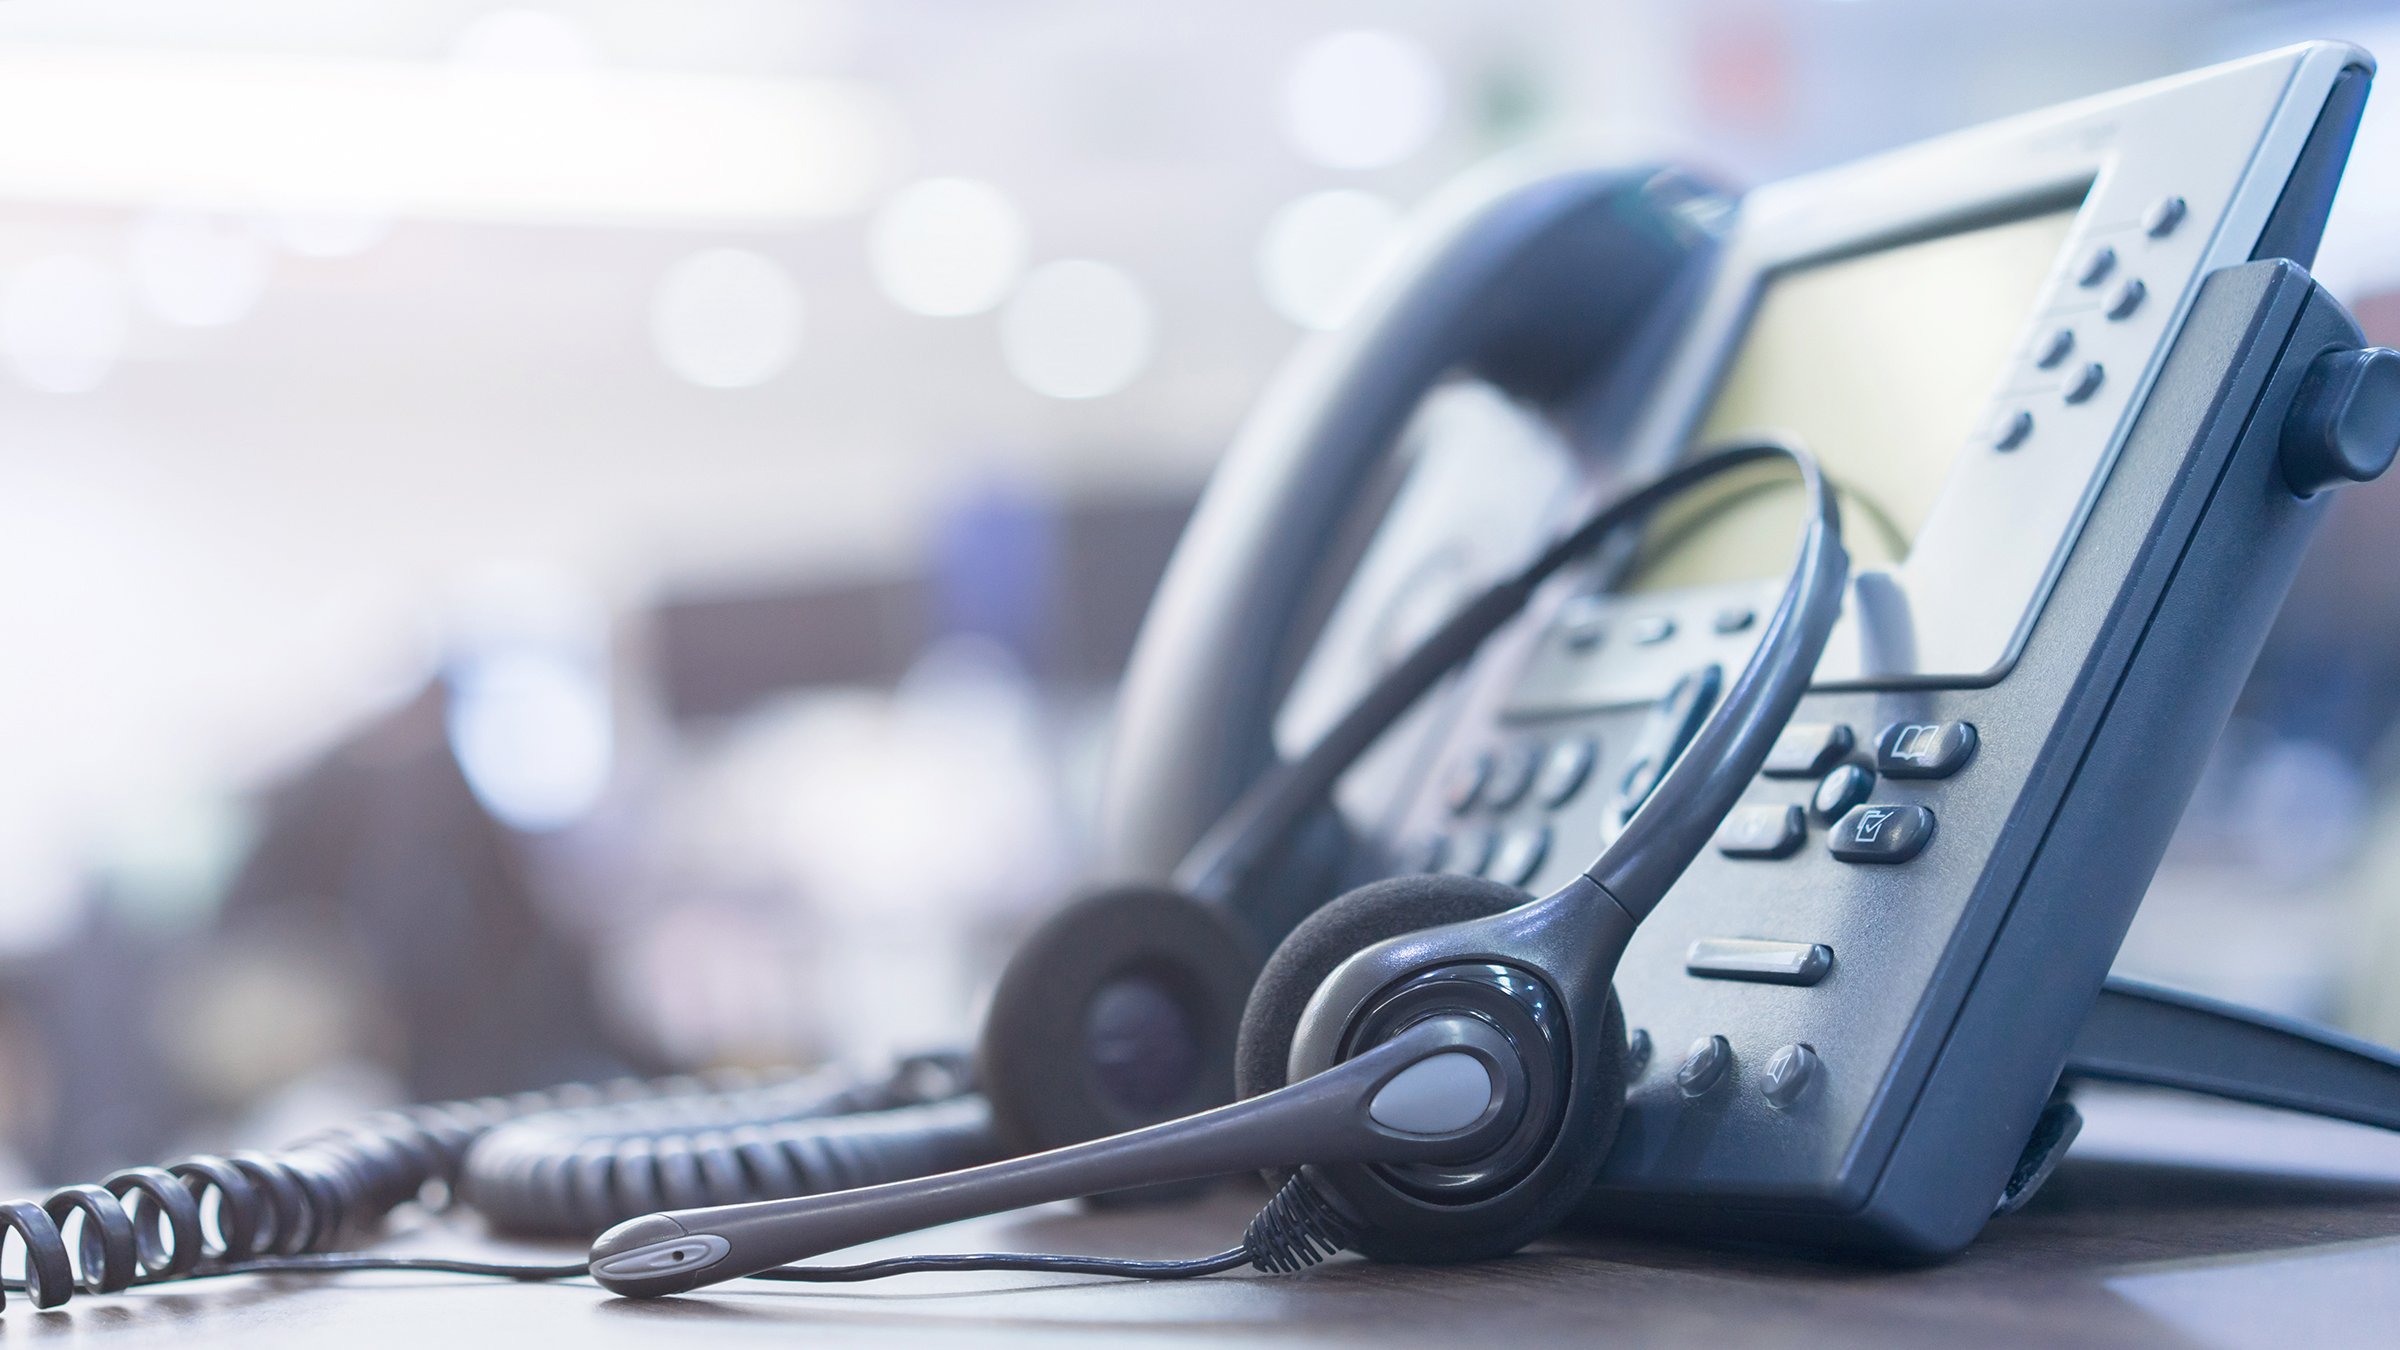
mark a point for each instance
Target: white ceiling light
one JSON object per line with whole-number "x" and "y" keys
{"x": 62, "y": 323}
{"x": 198, "y": 269}
{"x": 726, "y": 318}
{"x": 415, "y": 139}
{"x": 1319, "y": 254}
{"x": 1076, "y": 329}
{"x": 1363, "y": 99}
{"x": 946, "y": 246}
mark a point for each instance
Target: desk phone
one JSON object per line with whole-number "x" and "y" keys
{"x": 2051, "y": 364}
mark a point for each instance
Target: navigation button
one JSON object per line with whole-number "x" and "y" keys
{"x": 2163, "y": 216}
{"x": 2055, "y": 348}
{"x": 2103, "y": 260}
{"x": 2085, "y": 383}
{"x": 1881, "y": 834}
{"x": 1838, "y": 791}
{"x": 1761, "y": 832}
{"x": 1924, "y": 749}
{"x": 1806, "y": 749}
{"x": 1800, "y": 963}
{"x": 2014, "y": 431}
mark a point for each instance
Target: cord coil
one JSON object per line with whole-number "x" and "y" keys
{"x": 567, "y": 1160}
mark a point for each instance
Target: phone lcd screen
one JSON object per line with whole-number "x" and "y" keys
{"x": 1879, "y": 362}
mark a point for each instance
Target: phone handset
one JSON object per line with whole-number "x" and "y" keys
{"x": 1538, "y": 282}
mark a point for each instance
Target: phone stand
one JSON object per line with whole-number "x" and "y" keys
{"x": 2153, "y": 1036}
{"x": 2159, "y": 1037}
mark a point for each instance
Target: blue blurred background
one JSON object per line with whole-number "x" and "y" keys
{"x": 552, "y": 540}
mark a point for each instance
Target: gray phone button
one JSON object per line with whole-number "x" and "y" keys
{"x": 1801, "y": 963}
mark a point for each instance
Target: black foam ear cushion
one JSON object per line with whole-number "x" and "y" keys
{"x": 1332, "y": 935}
{"x": 1120, "y": 1011}
{"x": 1375, "y": 913}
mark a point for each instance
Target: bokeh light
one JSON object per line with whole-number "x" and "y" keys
{"x": 524, "y": 39}
{"x": 1363, "y": 99}
{"x": 946, "y": 246}
{"x": 1077, "y": 329}
{"x": 726, "y": 318}
{"x": 63, "y": 323}
{"x": 1319, "y": 255}
{"x": 198, "y": 269}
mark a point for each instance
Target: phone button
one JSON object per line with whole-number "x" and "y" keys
{"x": 1761, "y": 832}
{"x": 1512, "y": 773}
{"x": 1566, "y": 767}
{"x": 1845, "y": 787}
{"x": 1672, "y": 725}
{"x": 1881, "y": 834}
{"x": 1704, "y": 1065}
{"x": 1806, "y": 749}
{"x": 1471, "y": 852}
{"x": 1465, "y": 783}
{"x": 1786, "y": 1078}
{"x": 1519, "y": 855}
{"x": 1800, "y": 963}
{"x": 1924, "y": 749}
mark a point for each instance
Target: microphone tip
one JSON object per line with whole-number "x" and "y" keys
{"x": 653, "y": 1255}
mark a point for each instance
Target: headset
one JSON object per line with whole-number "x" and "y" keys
{"x": 1437, "y": 1062}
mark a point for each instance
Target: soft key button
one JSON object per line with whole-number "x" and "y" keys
{"x": 1801, "y": 963}
{"x": 2127, "y": 299}
{"x": 1879, "y": 833}
{"x": 1924, "y": 749}
{"x": 1761, "y": 832}
{"x": 1806, "y": 749}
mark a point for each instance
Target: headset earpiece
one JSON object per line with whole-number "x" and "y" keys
{"x": 1364, "y": 918}
{"x": 1120, "y": 1011}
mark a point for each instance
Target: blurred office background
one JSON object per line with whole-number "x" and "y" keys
{"x": 560, "y": 539}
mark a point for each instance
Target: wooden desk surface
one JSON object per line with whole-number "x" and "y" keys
{"x": 2173, "y": 1223}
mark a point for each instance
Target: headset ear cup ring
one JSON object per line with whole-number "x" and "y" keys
{"x": 1375, "y": 913}
{"x": 1120, "y": 1011}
